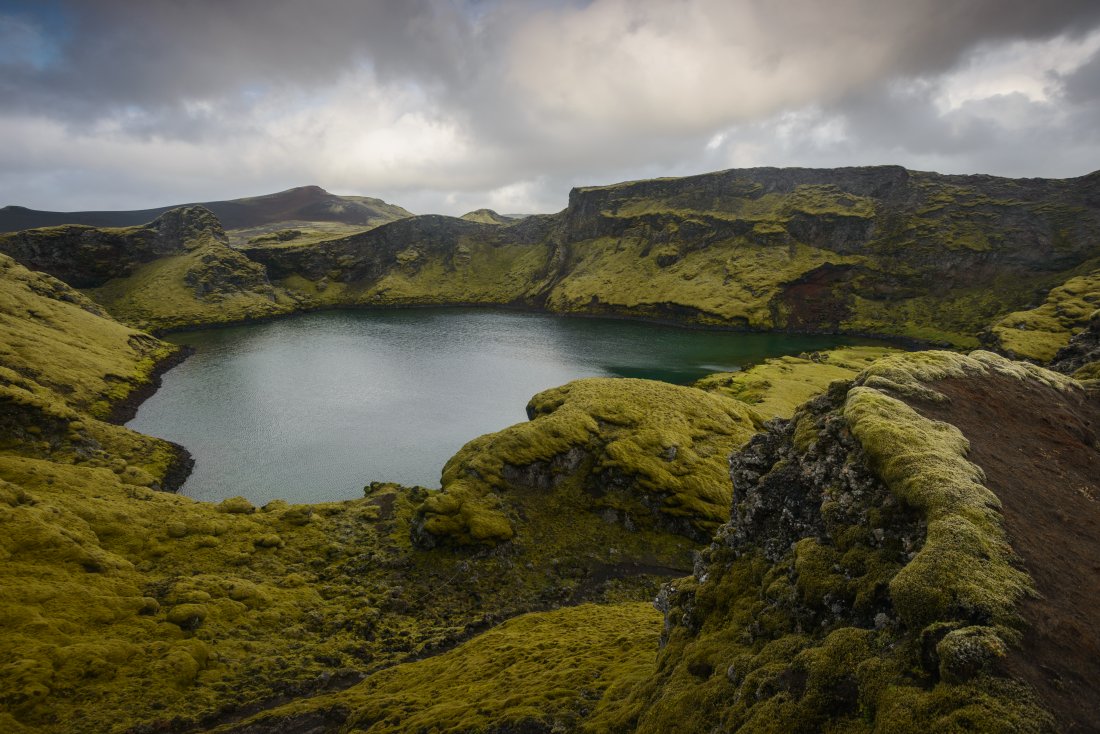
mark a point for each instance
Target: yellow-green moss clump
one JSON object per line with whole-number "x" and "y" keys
{"x": 1040, "y": 332}
{"x": 645, "y": 452}
{"x": 543, "y": 671}
{"x": 778, "y": 386}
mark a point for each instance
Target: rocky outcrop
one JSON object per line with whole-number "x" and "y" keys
{"x": 1081, "y": 357}
{"x": 869, "y": 575}
{"x": 639, "y": 454}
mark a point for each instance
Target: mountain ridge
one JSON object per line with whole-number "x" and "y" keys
{"x": 308, "y": 203}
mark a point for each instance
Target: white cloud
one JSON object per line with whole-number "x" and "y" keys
{"x": 1030, "y": 68}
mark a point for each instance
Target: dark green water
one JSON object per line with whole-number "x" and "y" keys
{"x": 311, "y": 408}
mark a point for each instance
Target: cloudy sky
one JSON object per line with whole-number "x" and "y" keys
{"x": 444, "y": 106}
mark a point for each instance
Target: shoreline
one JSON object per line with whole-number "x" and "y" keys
{"x": 126, "y": 409}
{"x": 911, "y": 343}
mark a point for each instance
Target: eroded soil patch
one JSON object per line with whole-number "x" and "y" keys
{"x": 1040, "y": 451}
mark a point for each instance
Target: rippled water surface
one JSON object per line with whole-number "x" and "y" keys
{"x": 311, "y": 408}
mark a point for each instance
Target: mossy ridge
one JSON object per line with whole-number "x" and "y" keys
{"x": 846, "y": 630}
{"x": 1040, "y": 332}
{"x": 648, "y": 453}
{"x": 775, "y": 388}
{"x": 59, "y": 346}
{"x": 209, "y": 284}
{"x": 488, "y": 216}
{"x": 542, "y": 671}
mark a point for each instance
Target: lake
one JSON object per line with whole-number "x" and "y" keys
{"x": 312, "y": 407}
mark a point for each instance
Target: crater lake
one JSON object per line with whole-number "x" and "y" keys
{"x": 312, "y": 407}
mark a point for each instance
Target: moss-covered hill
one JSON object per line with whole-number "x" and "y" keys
{"x": 948, "y": 259}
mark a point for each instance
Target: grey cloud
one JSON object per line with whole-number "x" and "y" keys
{"x": 231, "y": 78}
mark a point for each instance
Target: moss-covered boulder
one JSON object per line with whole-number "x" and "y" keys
{"x": 646, "y": 454}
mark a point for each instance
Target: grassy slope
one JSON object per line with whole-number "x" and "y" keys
{"x": 1040, "y": 332}
{"x": 208, "y": 284}
{"x": 59, "y": 346}
{"x": 728, "y": 282}
{"x": 777, "y": 387}
{"x": 543, "y": 671}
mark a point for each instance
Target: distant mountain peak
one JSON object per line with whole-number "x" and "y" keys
{"x": 301, "y": 203}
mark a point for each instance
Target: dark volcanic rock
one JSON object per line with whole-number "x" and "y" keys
{"x": 1083, "y": 349}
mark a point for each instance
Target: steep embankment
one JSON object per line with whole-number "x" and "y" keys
{"x": 881, "y": 567}
{"x": 304, "y": 203}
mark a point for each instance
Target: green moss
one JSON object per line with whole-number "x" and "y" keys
{"x": 1040, "y": 332}
{"x": 644, "y": 450}
{"x": 778, "y": 386}
{"x": 734, "y": 281}
{"x": 966, "y": 568}
{"x": 210, "y": 283}
{"x": 540, "y": 670}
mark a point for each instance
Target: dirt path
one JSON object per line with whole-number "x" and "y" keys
{"x": 1041, "y": 455}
